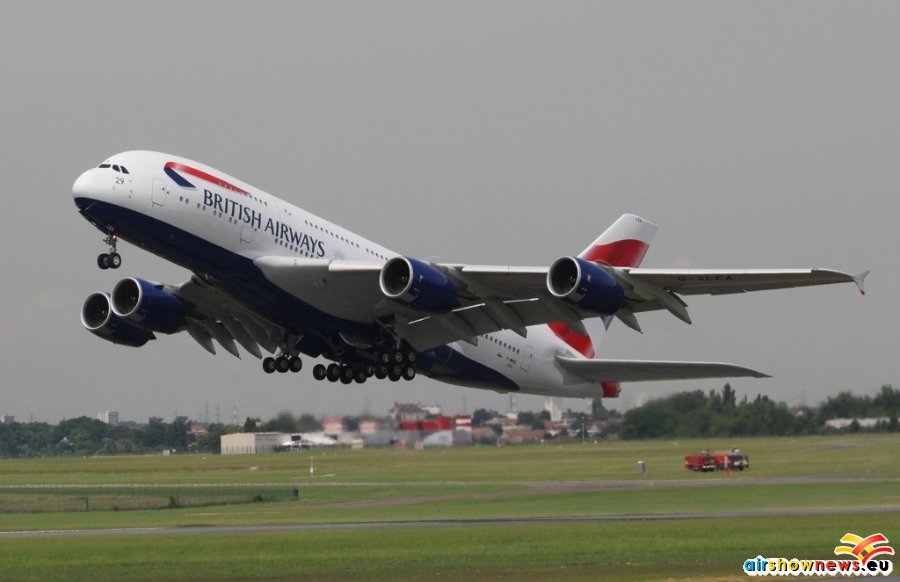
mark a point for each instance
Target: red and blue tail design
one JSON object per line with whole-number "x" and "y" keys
{"x": 623, "y": 244}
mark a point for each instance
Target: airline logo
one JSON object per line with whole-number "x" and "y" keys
{"x": 177, "y": 170}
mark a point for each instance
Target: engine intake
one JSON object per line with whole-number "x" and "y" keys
{"x": 98, "y": 318}
{"x": 148, "y": 305}
{"x": 586, "y": 285}
{"x": 417, "y": 284}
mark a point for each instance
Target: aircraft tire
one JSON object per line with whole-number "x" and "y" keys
{"x": 381, "y": 372}
{"x": 282, "y": 365}
{"x": 333, "y": 372}
{"x": 269, "y": 365}
{"x": 411, "y": 356}
{"x": 296, "y": 364}
{"x": 360, "y": 375}
{"x": 395, "y": 373}
{"x": 319, "y": 372}
{"x": 115, "y": 260}
{"x": 409, "y": 373}
{"x": 103, "y": 261}
{"x": 346, "y": 380}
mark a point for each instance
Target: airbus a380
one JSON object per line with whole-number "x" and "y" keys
{"x": 272, "y": 277}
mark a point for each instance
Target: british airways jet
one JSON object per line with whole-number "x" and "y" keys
{"x": 272, "y": 277}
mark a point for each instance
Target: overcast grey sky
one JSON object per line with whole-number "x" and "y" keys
{"x": 757, "y": 134}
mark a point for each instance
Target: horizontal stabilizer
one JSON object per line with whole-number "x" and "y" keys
{"x": 650, "y": 370}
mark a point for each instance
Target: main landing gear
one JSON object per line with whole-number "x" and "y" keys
{"x": 394, "y": 365}
{"x": 282, "y": 364}
{"x": 112, "y": 259}
{"x": 347, "y": 374}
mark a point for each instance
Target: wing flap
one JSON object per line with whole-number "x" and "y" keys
{"x": 652, "y": 370}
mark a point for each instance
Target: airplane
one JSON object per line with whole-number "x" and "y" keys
{"x": 273, "y": 277}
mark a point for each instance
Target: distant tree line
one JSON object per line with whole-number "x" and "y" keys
{"x": 718, "y": 414}
{"x": 686, "y": 414}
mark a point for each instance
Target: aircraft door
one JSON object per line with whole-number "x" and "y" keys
{"x": 158, "y": 197}
{"x": 526, "y": 357}
{"x": 247, "y": 233}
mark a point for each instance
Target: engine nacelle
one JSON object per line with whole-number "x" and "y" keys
{"x": 586, "y": 285}
{"x": 611, "y": 389}
{"x": 418, "y": 285}
{"x": 147, "y": 305}
{"x": 98, "y": 318}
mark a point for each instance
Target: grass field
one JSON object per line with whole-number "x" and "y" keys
{"x": 854, "y": 480}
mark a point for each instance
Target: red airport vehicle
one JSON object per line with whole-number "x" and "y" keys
{"x": 700, "y": 462}
{"x": 704, "y": 461}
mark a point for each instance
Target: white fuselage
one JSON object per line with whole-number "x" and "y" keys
{"x": 235, "y": 218}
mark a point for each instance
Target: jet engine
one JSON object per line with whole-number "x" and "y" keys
{"x": 98, "y": 318}
{"x": 148, "y": 305}
{"x": 417, "y": 284}
{"x": 586, "y": 285}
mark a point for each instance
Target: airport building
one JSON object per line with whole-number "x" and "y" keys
{"x": 251, "y": 443}
{"x": 109, "y": 417}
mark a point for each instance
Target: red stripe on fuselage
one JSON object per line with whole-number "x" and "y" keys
{"x": 623, "y": 253}
{"x": 208, "y": 177}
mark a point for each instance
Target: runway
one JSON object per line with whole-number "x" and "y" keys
{"x": 377, "y": 525}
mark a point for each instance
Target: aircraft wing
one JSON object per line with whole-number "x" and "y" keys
{"x": 649, "y": 370}
{"x": 491, "y": 298}
{"x": 652, "y": 289}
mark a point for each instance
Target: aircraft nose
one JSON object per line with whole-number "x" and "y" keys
{"x": 85, "y": 188}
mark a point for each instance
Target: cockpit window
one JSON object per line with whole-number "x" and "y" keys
{"x": 116, "y": 168}
{"x": 124, "y": 170}
{"x": 103, "y": 166}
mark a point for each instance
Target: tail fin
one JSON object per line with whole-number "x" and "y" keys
{"x": 623, "y": 244}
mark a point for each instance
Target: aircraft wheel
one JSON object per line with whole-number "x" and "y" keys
{"x": 381, "y": 372}
{"x": 409, "y": 372}
{"x": 411, "y": 356}
{"x": 103, "y": 261}
{"x": 346, "y": 380}
{"x": 296, "y": 364}
{"x": 282, "y": 364}
{"x": 115, "y": 260}
{"x": 395, "y": 373}
{"x": 360, "y": 375}
{"x": 269, "y": 365}
{"x": 383, "y": 358}
{"x": 347, "y": 372}
{"x": 333, "y": 372}
{"x": 319, "y": 372}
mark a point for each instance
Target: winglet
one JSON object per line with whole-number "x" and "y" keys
{"x": 860, "y": 281}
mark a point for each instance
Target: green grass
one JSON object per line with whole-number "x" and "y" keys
{"x": 578, "y": 551}
{"x": 477, "y": 483}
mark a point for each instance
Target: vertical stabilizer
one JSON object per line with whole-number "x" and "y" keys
{"x": 623, "y": 244}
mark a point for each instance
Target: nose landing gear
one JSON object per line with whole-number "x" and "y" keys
{"x": 112, "y": 259}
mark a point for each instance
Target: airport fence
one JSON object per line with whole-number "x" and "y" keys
{"x": 48, "y": 498}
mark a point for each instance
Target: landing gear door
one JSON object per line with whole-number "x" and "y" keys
{"x": 158, "y": 197}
